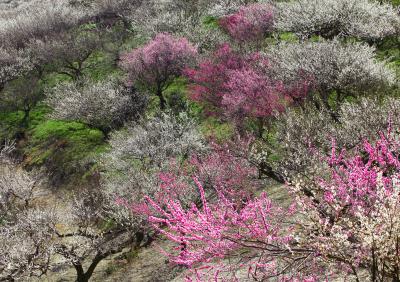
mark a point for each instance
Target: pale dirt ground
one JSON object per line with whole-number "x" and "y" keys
{"x": 148, "y": 266}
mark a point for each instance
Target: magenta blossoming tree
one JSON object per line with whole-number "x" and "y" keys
{"x": 348, "y": 219}
{"x": 250, "y": 23}
{"x": 156, "y": 64}
{"x": 353, "y": 213}
{"x": 209, "y": 78}
{"x": 239, "y": 87}
{"x": 223, "y": 230}
{"x": 251, "y": 94}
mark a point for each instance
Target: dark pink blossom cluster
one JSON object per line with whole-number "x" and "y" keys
{"x": 353, "y": 181}
{"x": 240, "y": 86}
{"x": 158, "y": 63}
{"x": 250, "y": 23}
{"x": 210, "y": 76}
{"x": 216, "y": 229}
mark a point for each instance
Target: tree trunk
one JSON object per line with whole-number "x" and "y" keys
{"x": 260, "y": 126}
{"x": 82, "y": 276}
{"x": 93, "y": 265}
{"x": 163, "y": 102}
{"x": 25, "y": 118}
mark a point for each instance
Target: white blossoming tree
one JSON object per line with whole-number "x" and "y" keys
{"x": 364, "y": 19}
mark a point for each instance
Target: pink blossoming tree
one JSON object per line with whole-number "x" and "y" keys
{"x": 251, "y": 94}
{"x": 250, "y": 23}
{"x": 240, "y": 87}
{"x": 348, "y": 220}
{"x": 209, "y": 78}
{"x": 353, "y": 212}
{"x": 156, "y": 64}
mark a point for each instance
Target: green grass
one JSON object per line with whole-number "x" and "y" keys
{"x": 10, "y": 125}
{"x": 210, "y": 22}
{"x": 213, "y": 128}
{"x": 11, "y": 122}
{"x": 101, "y": 67}
{"x": 288, "y": 37}
{"x": 64, "y": 148}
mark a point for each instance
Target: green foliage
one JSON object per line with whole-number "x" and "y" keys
{"x": 52, "y": 79}
{"x": 38, "y": 115}
{"x": 88, "y": 26}
{"x": 389, "y": 49}
{"x": 288, "y": 37}
{"x": 134, "y": 42}
{"x": 271, "y": 146}
{"x": 395, "y": 2}
{"x": 60, "y": 129}
{"x": 11, "y": 122}
{"x": 176, "y": 96}
{"x": 210, "y": 22}
{"x": 316, "y": 38}
{"x": 64, "y": 148}
{"x": 178, "y": 85}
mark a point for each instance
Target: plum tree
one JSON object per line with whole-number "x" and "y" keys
{"x": 158, "y": 63}
{"x": 368, "y": 20}
{"x": 103, "y": 105}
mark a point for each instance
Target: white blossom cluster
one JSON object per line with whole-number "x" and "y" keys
{"x": 184, "y": 18}
{"x": 141, "y": 151}
{"x": 37, "y": 19}
{"x": 103, "y": 105}
{"x": 379, "y": 230}
{"x": 13, "y": 64}
{"x": 332, "y": 66}
{"x": 6, "y": 150}
{"x": 67, "y": 51}
{"x": 26, "y": 244}
{"x": 25, "y": 231}
{"x": 365, "y": 19}
{"x": 30, "y": 26}
{"x": 14, "y": 185}
{"x": 366, "y": 118}
{"x": 25, "y": 23}
{"x": 155, "y": 141}
{"x": 33, "y": 234}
